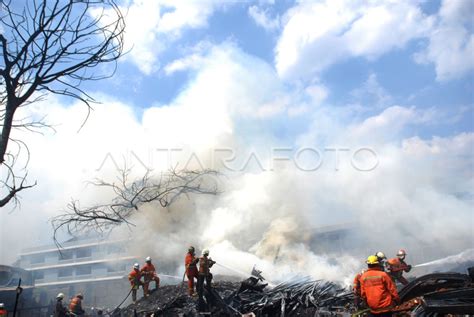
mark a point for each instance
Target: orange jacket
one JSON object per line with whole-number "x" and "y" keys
{"x": 378, "y": 290}
{"x": 190, "y": 262}
{"x": 356, "y": 283}
{"x": 148, "y": 268}
{"x": 134, "y": 277}
{"x": 75, "y": 306}
{"x": 205, "y": 264}
{"x": 397, "y": 265}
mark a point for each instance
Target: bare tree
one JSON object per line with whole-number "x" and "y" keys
{"x": 49, "y": 46}
{"x": 129, "y": 196}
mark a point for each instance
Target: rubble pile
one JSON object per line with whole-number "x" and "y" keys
{"x": 301, "y": 297}
{"x": 298, "y": 297}
{"x": 173, "y": 300}
{"x": 434, "y": 294}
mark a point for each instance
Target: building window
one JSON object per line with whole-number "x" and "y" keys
{"x": 83, "y": 253}
{"x": 83, "y": 270}
{"x": 65, "y": 255}
{"x": 111, "y": 269}
{"x": 38, "y": 275}
{"x": 116, "y": 268}
{"x": 115, "y": 249}
{"x": 65, "y": 272}
{"x": 38, "y": 258}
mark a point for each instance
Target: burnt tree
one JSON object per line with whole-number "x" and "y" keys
{"x": 49, "y": 46}
{"x": 128, "y": 195}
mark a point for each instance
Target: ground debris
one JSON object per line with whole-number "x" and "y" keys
{"x": 297, "y": 297}
{"x": 430, "y": 295}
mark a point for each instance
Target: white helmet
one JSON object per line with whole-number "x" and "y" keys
{"x": 2, "y": 305}
{"x": 60, "y": 296}
{"x": 380, "y": 255}
{"x": 136, "y": 266}
{"x": 148, "y": 259}
{"x": 205, "y": 252}
{"x": 401, "y": 253}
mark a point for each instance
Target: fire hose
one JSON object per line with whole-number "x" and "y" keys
{"x": 123, "y": 301}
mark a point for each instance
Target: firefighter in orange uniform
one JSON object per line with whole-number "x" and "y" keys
{"x": 149, "y": 274}
{"x": 204, "y": 274}
{"x": 356, "y": 288}
{"x": 396, "y": 267}
{"x": 135, "y": 278}
{"x": 377, "y": 289}
{"x": 3, "y": 311}
{"x": 75, "y": 306}
{"x": 190, "y": 263}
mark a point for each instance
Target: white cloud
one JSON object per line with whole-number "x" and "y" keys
{"x": 188, "y": 62}
{"x": 372, "y": 94}
{"x": 318, "y": 93}
{"x": 451, "y": 42}
{"x": 193, "y": 60}
{"x": 261, "y": 17}
{"x": 152, "y": 26}
{"x": 317, "y": 35}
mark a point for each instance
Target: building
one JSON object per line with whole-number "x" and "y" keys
{"x": 10, "y": 278}
{"x": 96, "y": 268}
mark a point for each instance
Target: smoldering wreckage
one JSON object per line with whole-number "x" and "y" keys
{"x": 374, "y": 293}
{"x": 432, "y": 295}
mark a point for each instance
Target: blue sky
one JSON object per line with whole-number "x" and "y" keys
{"x": 396, "y": 71}
{"x": 396, "y": 77}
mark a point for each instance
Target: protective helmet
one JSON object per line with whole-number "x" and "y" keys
{"x": 80, "y": 296}
{"x": 372, "y": 259}
{"x": 205, "y": 252}
{"x": 136, "y": 266}
{"x": 401, "y": 253}
{"x": 2, "y": 305}
{"x": 191, "y": 249}
{"x": 60, "y": 296}
{"x": 148, "y": 259}
{"x": 380, "y": 255}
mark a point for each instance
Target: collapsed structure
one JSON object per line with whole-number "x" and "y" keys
{"x": 434, "y": 294}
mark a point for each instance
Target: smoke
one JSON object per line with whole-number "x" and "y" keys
{"x": 407, "y": 191}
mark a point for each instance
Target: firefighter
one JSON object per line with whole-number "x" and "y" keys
{"x": 356, "y": 288}
{"x": 190, "y": 263}
{"x": 396, "y": 267}
{"x": 382, "y": 260}
{"x": 75, "y": 306}
{"x": 3, "y": 311}
{"x": 60, "y": 310}
{"x": 204, "y": 274}
{"x": 377, "y": 289}
{"x": 135, "y": 278}
{"x": 148, "y": 272}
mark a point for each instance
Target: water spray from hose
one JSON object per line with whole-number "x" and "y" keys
{"x": 243, "y": 273}
{"x": 464, "y": 256}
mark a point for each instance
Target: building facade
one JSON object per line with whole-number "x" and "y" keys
{"x": 96, "y": 268}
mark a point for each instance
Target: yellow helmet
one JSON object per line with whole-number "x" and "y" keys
{"x": 372, "y": 259}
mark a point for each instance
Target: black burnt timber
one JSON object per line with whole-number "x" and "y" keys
{"x": 433, "y": 282}
{"x": 459, "y": 301}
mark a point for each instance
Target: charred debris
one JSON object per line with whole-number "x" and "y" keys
{"x": 437, "y": 294}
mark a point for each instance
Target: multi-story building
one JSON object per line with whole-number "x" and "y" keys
{"x": 96, "y": 268}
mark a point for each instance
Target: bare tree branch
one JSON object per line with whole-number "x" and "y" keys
{"x": 129, "y": 196}
{"x": 50, "y": 46}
